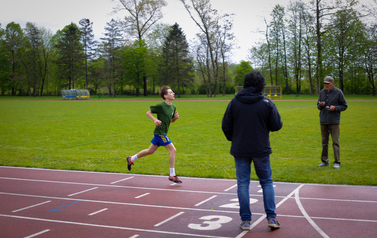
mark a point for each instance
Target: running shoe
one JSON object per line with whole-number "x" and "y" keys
{"x": 129, "y": 163}
{"x": 175, "y": 179}
{"x": 273, "y": 223}
{"x": 336, "y": 166}
{"x": 245, "y": 225}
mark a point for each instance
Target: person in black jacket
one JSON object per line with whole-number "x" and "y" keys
{"x": 247, "y": 122}
{"x": 331, "y": 102}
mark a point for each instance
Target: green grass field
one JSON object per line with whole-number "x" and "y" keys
{"x": 98, "y": 135}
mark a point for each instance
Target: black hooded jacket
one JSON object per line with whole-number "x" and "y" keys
{"x": 248, "y": 121}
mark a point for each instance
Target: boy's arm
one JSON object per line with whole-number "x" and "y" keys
{"x": 155, "y": 120}
{"x": 176, "y": 116}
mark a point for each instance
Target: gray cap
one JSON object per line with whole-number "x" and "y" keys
{"x": 328, "y": 79}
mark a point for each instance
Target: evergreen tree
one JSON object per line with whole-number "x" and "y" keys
{"x": 111, "y": 46}
{"x": 70, "y": 54}
{"x": 88, "y": 42}
{"x": 178, "y": 67}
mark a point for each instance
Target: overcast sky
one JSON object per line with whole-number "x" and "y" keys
{"x": 55, "y": 15}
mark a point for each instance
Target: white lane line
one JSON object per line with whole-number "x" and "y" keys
{"x": 94, "y": 213}
{"x": 111, "y": 186}
{"x": 302, "y": 209}
{"x": 73, "y": 194}
{"x": 122, "y": 180}
{"x": 134, "y": 236}
{"x": 170, "y": 218}
{"x": 37, "y": 234}
{"x": 226, "y": 190}
{"x": 205, "y": 200}
{"x": 145, "y": 194}
{"x": 120, "y": 203}
{"x": 176, "y": 234}
{"x": 31, "y": 206}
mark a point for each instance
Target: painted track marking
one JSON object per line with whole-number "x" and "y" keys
{"x": 142, "y": 195}
{"x": 110, "y": 227}
{"x": 60, "y": 208}
{"x": 170, "y": 218}
{"x": 226, "y": 190}
{"x": 31, "y": 206}
{"x": 198, "y": 204}
{"x": 90, "y": 189}
{"x": 302, "y": 209}
{"x": 120, "y": 203}
{"x": 254, "y": 224}
{"x": 37, "y": 234}
{"x": 122, "y": 180}
{"x": 94, "y": 213}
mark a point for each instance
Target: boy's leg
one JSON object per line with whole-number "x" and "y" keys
{"x": 130, "y": 159}
{"x": 172, "y": 177}
{"x": 171, "y": 148}
{"x": 152, "y": 148}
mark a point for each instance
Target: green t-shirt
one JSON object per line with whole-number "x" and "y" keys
{"x": 165, "y": 113}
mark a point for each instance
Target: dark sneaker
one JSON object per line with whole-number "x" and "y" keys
{"x": 175, "y": 179}
{"x": 273, "y": 223}
{"x": 323, "y": 164}
{"x": 129, "y": 163}
{"x": 245, "y": 225}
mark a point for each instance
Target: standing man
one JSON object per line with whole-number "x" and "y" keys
{"x": 331, "y": 102}
{"x": 247, "y": 123}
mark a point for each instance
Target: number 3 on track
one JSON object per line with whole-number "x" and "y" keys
{"x": 210, "y": 223}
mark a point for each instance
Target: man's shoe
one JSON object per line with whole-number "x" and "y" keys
{"x": 245, "y": 225}
{"x": 175, "y": 179}
{"x": 336, "y": 166}
{"x": 323, "y": 164}
{"x": 273, "y": 223}
{"x": 129, "y": 163}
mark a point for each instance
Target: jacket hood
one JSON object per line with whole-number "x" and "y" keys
{"x": 249, "y": 95}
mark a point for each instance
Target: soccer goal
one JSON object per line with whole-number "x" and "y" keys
{"x": 268, "y": 91}
{"x": 272, "y": 91}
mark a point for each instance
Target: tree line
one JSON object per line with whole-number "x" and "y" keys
{"x": 303, "y": 43}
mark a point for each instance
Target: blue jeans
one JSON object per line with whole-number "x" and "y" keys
{"x": 263, "y": 170}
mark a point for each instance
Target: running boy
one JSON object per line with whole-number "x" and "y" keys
{"x": 166, "y": 113}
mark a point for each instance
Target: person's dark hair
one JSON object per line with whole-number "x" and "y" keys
{"x": 164, "y": 91}
{"x": 254, "y": 79}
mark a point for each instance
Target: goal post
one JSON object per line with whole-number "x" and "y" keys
{"x": 268, "y": 91}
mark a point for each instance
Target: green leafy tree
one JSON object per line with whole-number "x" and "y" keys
{"x": 240, "y": 72}
{"x": 134, "y": 59}
{"x": 142, "y": 16}
{"x": 14, "y": 37}
{"x": 344, "y": 34}
{"x": 35, "y": 59}
{"x": 5, "y": 64}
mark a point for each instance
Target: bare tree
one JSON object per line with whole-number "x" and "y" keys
{"x": 207, "y": 20}
{"x": 142, "y": 16}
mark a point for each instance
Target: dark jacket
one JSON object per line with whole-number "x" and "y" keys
{"x": 248, "y": 121}
{"x": 335, "y": 98}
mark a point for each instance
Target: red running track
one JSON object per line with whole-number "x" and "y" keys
{"x": 56, "y": 203}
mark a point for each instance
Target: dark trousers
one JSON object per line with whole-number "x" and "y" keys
{"x": 326, "y": 130}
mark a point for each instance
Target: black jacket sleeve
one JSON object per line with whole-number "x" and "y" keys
{"x": 227, "y": 122}
{"x": 274, "y": 123}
